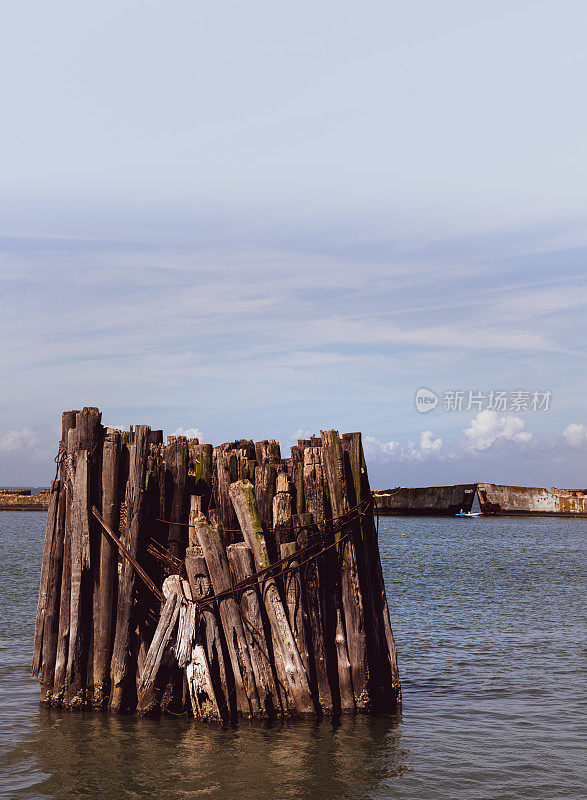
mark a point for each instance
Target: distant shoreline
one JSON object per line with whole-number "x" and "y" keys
{"x": 24, "y": 499}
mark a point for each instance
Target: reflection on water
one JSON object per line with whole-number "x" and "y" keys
{"x": 488, "y": 621}
{"x": 107, "y": 757}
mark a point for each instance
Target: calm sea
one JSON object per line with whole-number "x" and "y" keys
{"x": 487, "y": 618}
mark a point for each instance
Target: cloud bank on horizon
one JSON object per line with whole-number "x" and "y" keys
{"x": 249, "y": 220}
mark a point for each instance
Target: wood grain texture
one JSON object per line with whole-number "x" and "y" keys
{"x": 296, "y": 680}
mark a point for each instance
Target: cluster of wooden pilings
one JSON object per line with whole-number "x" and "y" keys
{"x": 222, "y": 582}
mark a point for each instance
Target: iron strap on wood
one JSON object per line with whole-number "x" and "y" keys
{"x": 236, "y": 589}
{"x": 252, "y": 580}
{"x": 137, "y": 567}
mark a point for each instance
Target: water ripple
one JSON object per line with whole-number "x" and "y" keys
{"x": 488, "y": 622}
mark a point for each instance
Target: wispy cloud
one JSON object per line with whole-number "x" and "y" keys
{"x": 526, "y": 304}
{"x": 252, "y": 341}
{"x": 374, "y": 331}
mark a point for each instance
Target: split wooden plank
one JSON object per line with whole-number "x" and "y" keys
{"x": 155, "y": 659}
{"x": 210, "y": 634}
{"x": 320, "y": 665}
{"x": 295, "y": 604}
{"x": 201, "y": 688}
{"x": 242, "y": 565}
{"x": 248, "y": 703}
{"x": 186, "y": 630}
{"x": 190, "y": 652}
{"x": 242, "y": 495}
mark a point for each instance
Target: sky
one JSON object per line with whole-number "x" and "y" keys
{"x": 263, "y": 220}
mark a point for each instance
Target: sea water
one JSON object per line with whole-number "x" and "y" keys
{"x": 487, "y": 619}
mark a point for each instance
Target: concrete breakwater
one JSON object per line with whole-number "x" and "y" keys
{"x": 426, "y": 500}
{"x": 23, "y": 500}
{"x": 497, "y": 499}
{"x": 494, "y": 500}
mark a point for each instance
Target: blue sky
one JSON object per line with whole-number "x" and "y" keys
{"x": 256, "y": 220}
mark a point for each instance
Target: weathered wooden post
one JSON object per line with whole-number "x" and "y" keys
{"x": 297, "y": 478}
{"x": 210, "y": 631}
{"x": 351, "y": 590}
{"x": 341, "y": 682}
{"x": 158, "y": 661}
{"x": 83, "y": 443}
{"x": 282, "y": 528}
{"x": 105, "y": 596}
{"x": 265, "y": 480}
{"x": 121, "y": 671}
{"x": 176, "y": 458}
{"x": 292, "y": 621}
{"x": 211, "y": 542}
{"x": 322, "y": 666}
{"x": 295, "y": 604}
{"x": 50, "y": 529}
{"x": 58, "y": 688}
{"x": 47, "y": 625}
{"x": 225, "y": 471}
{"x": 243, "y": 497}
{"x": 389, "y": 689}
{"x": 243, "y": 566}
{"x": 200, "y": 472}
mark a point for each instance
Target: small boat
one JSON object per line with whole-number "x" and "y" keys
{"x": 469, "y": 514}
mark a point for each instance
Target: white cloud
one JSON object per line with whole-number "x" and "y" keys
{"x": 575, "y": 434}
{"x": 378, "y": 450}
{"x": 190, "y": 433}
{"x": 25, "y": 442}
{"x": 426, "y": 447}
{"x": 487, "y": 428}
{"x": 17, "y": 441}
{"x": 421, "y": 450}
{"x": 301, "y": 433}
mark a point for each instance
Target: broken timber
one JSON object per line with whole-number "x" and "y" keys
{"x": 219, "y": 582}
